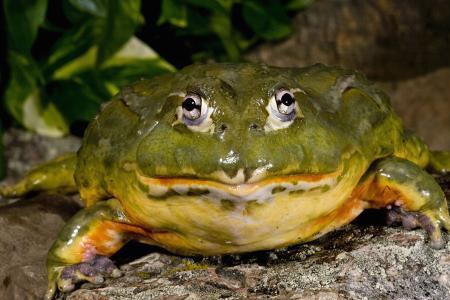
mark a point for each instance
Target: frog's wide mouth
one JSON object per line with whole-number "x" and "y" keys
{"x": 261, "y": 190}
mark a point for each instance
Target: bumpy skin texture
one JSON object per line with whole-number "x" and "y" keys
{"x": 242, "y": 180}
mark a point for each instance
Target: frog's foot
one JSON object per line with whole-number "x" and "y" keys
{"x": 66, "y": 277}
{"x": 412, "y": 196}
{"x": 429, "y": 221}
{"x": 81, "y": 251}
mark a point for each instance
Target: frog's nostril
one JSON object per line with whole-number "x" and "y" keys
{"x": 223, "y": 127}
{"x": 254, "y": 127}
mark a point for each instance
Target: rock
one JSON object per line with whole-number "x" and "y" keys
{"x": 28, "y": 229}
{"x": 423, "y": 104}
{"x": 359, "y": 261}
{"x": 25, "y": 149}
{"x": 29, "y": 226}
{"x": 386, "y": 40}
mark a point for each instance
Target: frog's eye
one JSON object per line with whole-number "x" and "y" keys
{"x": 192, "y": 106}
{"x": 195, "y": 113}
{"x": 285, "y": 101}
{"x": 282, "y": 109}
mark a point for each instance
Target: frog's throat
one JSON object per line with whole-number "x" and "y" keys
{"x": 242, "y": 192}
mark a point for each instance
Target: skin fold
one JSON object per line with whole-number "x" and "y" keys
{"x": 244, "y": 174}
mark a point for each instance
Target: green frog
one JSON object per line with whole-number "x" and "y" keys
{"x": 233, "y": 158}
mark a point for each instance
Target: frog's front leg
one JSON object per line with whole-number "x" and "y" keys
{"x": 53, "y": 176}
{"x": 412, "y": 195}
{"x": 81, "y": 251}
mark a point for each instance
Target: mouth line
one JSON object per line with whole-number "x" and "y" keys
{"x": 241, "y": 192}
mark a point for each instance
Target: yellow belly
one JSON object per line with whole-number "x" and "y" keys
{"x": 205, "y": 225}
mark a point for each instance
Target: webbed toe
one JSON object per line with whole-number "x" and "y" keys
{"x": 431, "y": 221}
{"x": 64, "y": 278}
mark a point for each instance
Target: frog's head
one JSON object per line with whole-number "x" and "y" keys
{"x": 227, "y": 124}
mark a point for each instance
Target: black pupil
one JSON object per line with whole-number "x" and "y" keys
{"x": 287, "y": 99}
{"x": 189, "y": 104}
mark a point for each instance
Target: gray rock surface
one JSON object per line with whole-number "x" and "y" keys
{"x": 28, "y": 227}
{"x": 364, "y": 260}
{"x": 386, "y": 40}
{"x": 357, "y": 262}
{"x": 26, "y": 149}
{"x": 423, "y": 103}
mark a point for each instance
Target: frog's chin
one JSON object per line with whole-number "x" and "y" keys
{"x": 259, "y": 191}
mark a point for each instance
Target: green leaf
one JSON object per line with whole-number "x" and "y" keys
{"x": 95, "y": 8}
{"x": 43, "y": 116}
{"x": 221, "y": 25}
{"x": 135, "y": 60}
{"x": 134, "y": 70}
{"x": 76, "y": 99}
{"x": 113, "y": 23}
{"x": 132, "y": 50}
{"x": 119, "y": 25}
{"x": 23, "y": 18}
{"x": 268, "y": 20}
{"x": 77, "y": 88}
{"x": 198, "y": 24}
{"x": 24, "y": 79}
{"x": 298, "y": 4}
{"x": 24, "y": 102}
{"x": 72, "y": 44}
{"x": 211, "y": 5}
{"x": 174, "y": 12}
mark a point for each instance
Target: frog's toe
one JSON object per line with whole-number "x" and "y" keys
{"x": 94, "y": 271}
{"x": 397, "y": 214}
{"x": 430, "y": 221}
{"x": 8, "y": 191}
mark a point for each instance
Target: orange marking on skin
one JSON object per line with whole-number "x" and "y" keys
{"x": 381, "y": 195}
{"x": 342, "y": 216}
{"x": 108, "y": 237}
{"x": 368, "y": 194}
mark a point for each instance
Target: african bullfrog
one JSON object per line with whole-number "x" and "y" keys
{"x": 232, "y": 158}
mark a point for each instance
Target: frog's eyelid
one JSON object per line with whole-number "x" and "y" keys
{"x": 187, "y": 92}
{"x": 177, "y": 94}
{"x": 286, "y": 88}
{"x": 298, "y": 90}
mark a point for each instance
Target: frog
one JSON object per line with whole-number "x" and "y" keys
{"x": 224, "y": 158}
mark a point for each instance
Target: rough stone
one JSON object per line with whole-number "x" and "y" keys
{"x": 26, "y": 149}
{"x": 29, "y": 226}
{"x": 423, "y": 103}
{"x": 360, "y": 261}
{"x": 386, "y": 40}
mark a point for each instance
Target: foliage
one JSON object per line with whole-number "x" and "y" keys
{"x": 93, "y": 51}
{"x": 225, "y": 28}
{"x": 85, "y": 66}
